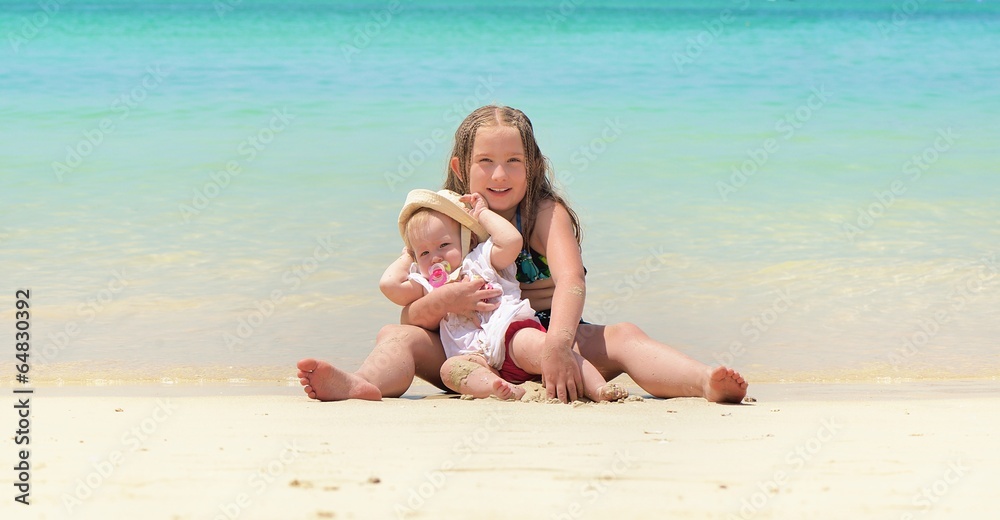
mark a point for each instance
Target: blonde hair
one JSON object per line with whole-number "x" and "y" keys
{"x": 420, "y": 218}
{"x": 539, "y": 173}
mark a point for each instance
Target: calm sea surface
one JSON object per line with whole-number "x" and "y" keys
{"x": 805, "y": 190}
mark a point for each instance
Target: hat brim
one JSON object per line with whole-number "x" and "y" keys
{"x": 446, "y": 202}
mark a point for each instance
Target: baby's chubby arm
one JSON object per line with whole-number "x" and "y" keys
{"x": 507, "y": 241}
{"x": 396, "y": 285}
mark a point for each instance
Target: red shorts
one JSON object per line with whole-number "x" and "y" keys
{"x": 509, "y": 371}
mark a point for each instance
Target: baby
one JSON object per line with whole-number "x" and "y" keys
{"x": 490, "y": 353}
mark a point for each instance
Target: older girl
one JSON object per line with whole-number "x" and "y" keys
{"x": 496, "y": 156}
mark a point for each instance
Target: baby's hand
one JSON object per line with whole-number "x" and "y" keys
{"x": 478, "y": 203}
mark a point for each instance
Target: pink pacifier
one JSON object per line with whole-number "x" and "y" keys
{"x": 438, "y": 274}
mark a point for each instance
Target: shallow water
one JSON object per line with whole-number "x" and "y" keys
{"x": 806, "y": 191}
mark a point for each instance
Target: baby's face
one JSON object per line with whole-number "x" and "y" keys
{"x": 440, "y": 239}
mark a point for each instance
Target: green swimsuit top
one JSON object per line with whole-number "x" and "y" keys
{"x": 531, "y": 266}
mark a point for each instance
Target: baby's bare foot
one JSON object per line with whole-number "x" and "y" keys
{"x": 506, "y": 391}
{"x": 725, "y": 385}
{"x": 612, "y": 392}
{"x": 325, "y": 382}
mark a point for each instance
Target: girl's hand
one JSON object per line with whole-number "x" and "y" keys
{"x": 478, "y": 203}
{"x": 463, "y": 297}
{"x": 561, "y": 374}
{"x": 466, "y": 297}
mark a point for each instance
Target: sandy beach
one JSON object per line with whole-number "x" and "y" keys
{"x": 197, "y": 195}
{"x": 903, "y": 450}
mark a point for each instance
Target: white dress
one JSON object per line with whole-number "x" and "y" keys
{"x": 460, "y": 335}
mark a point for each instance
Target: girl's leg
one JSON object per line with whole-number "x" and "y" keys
{"x": 401, "y": 351}
{"x": 595, "y": 387}
{"x": 471, "y": 375}
{"x": 525, "y": 350}
{"x": 657, "y": 368}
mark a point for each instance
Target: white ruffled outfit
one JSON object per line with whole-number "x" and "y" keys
{"x": 459, "y": 334}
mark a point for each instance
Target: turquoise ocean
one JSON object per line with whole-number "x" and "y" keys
{"x": 208, "y": 190}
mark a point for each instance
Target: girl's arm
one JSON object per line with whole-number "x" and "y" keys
{"x": 554, "y": 232}
{"x": 427, "y": 310}
{"x": 464, "y": 297}
{"x": 396, "y": 285}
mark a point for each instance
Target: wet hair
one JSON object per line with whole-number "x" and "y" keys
{"x": 539, "y": 173}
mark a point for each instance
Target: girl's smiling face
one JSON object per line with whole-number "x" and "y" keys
{"x": 497, "y": 169}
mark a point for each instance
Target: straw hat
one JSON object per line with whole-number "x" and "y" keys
{"x": 446, "y": 202}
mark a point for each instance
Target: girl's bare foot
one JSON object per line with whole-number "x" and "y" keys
{"x": 611, "y": 392}
{"x": 725, "y": 385}
{"x": 507, "y": 392}
{"x": 325, "y": 382}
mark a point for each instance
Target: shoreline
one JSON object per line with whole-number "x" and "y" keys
{"x": 825, "y": 451}
{"x": 419, "y": 390}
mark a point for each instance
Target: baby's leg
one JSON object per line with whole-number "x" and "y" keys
{"x": 525, "y": 350}
{"x": 472, "y": 375}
